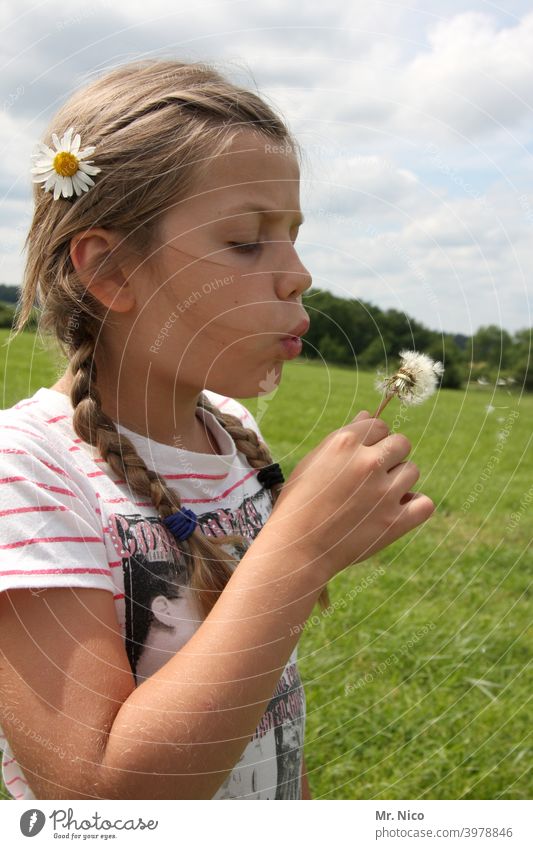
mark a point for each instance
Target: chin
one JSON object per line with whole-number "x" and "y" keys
{"x": 238, "y": 383}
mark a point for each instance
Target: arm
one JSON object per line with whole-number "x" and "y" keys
{"x": 306, "y": 790}
{"x": 64, "y": 672}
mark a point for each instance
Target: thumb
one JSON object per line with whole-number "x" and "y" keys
{"x": 363, "y": 414}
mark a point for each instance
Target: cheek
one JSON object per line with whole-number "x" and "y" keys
{"x": 226, "y": 308}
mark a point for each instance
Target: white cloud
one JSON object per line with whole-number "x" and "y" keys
{"x": 416, "y": 123}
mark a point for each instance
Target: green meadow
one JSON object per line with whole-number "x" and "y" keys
{"x": 416, "y": 676}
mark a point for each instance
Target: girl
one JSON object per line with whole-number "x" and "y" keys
{"x": 155, "y": 572}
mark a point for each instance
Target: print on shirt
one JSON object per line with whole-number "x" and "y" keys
{"x": 161, "y": 613}
{"x": 161, "y": 616}
{"x": 275, "y": 749}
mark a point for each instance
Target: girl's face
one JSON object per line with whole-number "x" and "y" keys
{"x": 229, "y": 280}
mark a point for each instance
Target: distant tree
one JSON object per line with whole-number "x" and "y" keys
{"x": 7, "y": 314}
{"x": 492, "y": 345}
{"x": 522, "y": 366}
{"x": 332, "y": 350}
{"x": 9, "y": 294}
{"x": 452, "y": 357}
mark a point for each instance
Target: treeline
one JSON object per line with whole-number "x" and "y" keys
{"x": 351, "y": 332}
{"x": 348, "y": 331}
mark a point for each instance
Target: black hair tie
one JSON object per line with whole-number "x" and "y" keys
{"x": 270, "y": 475}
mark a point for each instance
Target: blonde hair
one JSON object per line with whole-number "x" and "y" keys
{"x": 143, "y": 117}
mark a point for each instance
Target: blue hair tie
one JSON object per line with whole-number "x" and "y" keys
{"x": 182, "y": 523}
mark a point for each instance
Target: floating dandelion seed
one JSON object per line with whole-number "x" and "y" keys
{"x": 415, "y": 380}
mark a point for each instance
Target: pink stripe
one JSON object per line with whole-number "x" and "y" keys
{"x": 73, "y": 571}
{"x": 14, "y": 479}
{"x": 21, "y": 404}
{"x": 38, "y": 509}
{"x": 222, "y": 494}
{"x": 185, "y": 500}
{"x": 31, "y": 540}
{"x": 119, "y": 595}
{"x": 10, "y": 761}
{"x": 56, "y": 419}
{"x": 197, "y": 476}
{"x": 22, "y": 430}
{"x": 57, "y": 469}
{"x": 17, "y": 778}
{"x": 222, "y": 403}
{"x": 128, "y": 501}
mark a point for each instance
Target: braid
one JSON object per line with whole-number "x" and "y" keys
{"x": 209, "y": 566}
{"x": 257, "y": 454}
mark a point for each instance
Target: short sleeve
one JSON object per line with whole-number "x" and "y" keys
{"x": 50, "y": 533}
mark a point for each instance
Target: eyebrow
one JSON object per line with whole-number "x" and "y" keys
{"x": 272, "y": 212}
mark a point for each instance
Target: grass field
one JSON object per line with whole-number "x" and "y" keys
{"x": 416, "y": 678}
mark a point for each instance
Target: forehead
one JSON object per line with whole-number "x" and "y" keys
{"x": 253, "y": 170}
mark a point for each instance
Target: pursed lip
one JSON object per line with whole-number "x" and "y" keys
{"x": 300, "y": 329}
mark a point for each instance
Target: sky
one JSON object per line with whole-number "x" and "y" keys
{"x": 416, "y": 121}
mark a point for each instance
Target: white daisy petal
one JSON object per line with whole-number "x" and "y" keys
{"x": 86, "y": 152}
{"x": 68, "y": 188}
{"x": 89, "y": 169}
{"x": 57, "y": 188}
{"x": 43, "y": 161}
{"x": 76, "y": 144}
{"x": 50, "y": 182}
{"x": 79, "y": 187}
{"x": 67, "y": 137}
{"x": 43, "y": 151}
{"x": 84, "y": 178}
{"x": 40, "y": 178}
{"x": 42, "y": 169}
{"x": 56, "y": 142}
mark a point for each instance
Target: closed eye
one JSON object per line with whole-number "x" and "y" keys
{"x": 245, "y": 247}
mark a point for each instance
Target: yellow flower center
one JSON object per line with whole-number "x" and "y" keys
{"x": 65, "y": 163}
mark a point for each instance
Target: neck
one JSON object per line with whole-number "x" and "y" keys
{"x": 187, "y": 432}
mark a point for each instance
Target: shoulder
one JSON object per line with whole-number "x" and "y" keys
{"x": 39, "y": 451}
{"x": 227, "y": 404}
{"x": 31, "y": 424}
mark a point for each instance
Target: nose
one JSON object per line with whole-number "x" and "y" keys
{"x": 295, "y": 277}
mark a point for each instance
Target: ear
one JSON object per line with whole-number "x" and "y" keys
{"x": 161, "y": 610}
{"x": 115, "y": 291}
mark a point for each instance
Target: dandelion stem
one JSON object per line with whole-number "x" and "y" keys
{"x": 383, "y": 404}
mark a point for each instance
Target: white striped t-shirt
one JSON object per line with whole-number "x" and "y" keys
{"x": 66, "y": 520}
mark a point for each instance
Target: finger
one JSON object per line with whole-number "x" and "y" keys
{"x": 418, "y": 508}
{"x": 373, "y": 430}
{"x": 362, "y": 414}
{"x": 393, "y": 449}
{"x": 404, "y": 476}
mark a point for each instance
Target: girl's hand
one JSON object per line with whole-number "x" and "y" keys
{"x": 351, "y": 495}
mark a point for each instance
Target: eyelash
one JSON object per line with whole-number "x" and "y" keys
{"x": 245, "y": 247}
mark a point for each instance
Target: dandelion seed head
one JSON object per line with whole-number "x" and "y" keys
{"x": 415, "y": 380}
